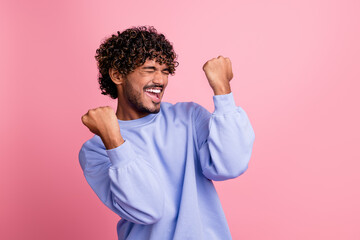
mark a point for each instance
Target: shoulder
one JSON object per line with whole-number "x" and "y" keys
{"x": 186, "y": 111}
{"x": 181, "y": 108}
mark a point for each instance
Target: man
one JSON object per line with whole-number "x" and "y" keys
{"x": 152, "y": 162}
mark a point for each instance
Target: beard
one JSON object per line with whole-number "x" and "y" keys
{"x": 134, "y": 98}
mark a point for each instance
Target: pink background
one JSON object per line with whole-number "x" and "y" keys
{"x": 297, "y": 70}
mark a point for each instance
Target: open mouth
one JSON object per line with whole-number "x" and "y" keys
{"x": 154, "y": 93}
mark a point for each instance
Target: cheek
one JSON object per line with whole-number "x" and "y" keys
{"x": 166, "y": 81}
{"x": 129, "y": 91}
{"x": 133, "y": 88}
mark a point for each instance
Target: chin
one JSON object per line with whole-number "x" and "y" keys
{"x": 152, "y": 109}
{"x": 155, "y": 110}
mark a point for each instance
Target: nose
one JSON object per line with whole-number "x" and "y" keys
{"x": 159, "y": 77}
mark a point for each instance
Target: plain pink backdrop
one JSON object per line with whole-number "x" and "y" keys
{"x": 296, "y": 73}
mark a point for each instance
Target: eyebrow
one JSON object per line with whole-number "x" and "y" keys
{"x": 154, "y": 68}
{"x": 149, "y": 67}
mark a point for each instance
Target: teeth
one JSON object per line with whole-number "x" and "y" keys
{"x": 153, "y": 90}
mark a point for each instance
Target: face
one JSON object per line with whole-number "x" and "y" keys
{"x": 144, "y": 88}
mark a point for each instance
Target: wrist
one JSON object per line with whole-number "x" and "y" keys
{"x": 111, "y": 142}
{"x": 222, "y": 90}
{"x": 224, "y": 103}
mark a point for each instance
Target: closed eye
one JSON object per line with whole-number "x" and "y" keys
{"x": 149, "y": 69}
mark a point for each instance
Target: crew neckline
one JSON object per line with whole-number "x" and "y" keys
{"x": 138, "y": 122}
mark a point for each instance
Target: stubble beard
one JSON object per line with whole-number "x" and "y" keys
{"x": 134, "y": 99}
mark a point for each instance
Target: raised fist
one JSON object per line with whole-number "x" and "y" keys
{"x": 218, "y": 71}
{"x": 103, "y": 122}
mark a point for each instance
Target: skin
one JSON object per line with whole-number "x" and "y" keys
{"x": 134, "y": 102}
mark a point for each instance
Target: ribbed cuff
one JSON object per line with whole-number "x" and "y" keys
{"x": 121, "y": 155}
{"x": 224, "y": 103}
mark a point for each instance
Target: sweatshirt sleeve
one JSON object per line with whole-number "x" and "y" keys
{"x": 225, "y": 139}
{"x": 123, "y": 181}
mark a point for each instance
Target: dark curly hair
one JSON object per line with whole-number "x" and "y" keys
{"x": 130, "y": 49}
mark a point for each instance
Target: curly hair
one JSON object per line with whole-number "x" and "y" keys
{"x": 130, "y": 49}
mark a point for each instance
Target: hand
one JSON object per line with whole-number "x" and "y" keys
{"x": 103, "y": 122}
{"x": 219, "y": 73}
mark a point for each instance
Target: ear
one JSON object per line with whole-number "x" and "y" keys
{"x": 115, "y": 76}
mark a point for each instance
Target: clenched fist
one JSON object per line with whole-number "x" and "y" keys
{"x": 219, "y": 73}
{"x": 103, "y": 122}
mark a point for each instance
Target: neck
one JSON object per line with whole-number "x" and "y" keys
{"x": 125, "y": 113}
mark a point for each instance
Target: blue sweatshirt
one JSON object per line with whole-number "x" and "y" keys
{"x": 159, "y": 180}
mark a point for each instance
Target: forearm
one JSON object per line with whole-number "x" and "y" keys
{"x": 135, "y": 185}
{"x": 124, "y": 182}
{"x": 229, "y": 143}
